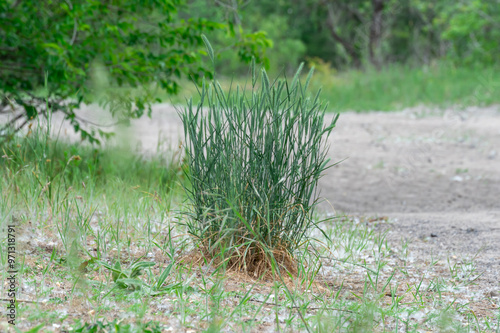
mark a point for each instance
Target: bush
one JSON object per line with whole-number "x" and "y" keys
{"x": 254, "y": 159}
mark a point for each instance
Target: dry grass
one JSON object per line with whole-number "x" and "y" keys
{"x": 254, "y": 261}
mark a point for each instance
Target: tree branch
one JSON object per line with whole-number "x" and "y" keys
{"x": 75, "y": 26}
{"x": 350, "y": 49}
{"x": 375, "y": 31}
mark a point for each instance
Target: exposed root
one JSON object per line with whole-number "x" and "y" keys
{"x": 252, "y": 260}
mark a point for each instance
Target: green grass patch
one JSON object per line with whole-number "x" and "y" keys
{"x": 40, "y": 160}
{"x": 395, "y": 87}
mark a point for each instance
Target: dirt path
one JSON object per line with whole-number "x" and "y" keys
{"x": 435, "y": 175}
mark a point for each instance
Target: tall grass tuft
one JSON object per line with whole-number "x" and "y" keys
{"x": 255, "y": 157}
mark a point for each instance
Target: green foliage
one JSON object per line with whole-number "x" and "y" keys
{"x": 346, "y": 33}
{"x": 128, "y": 279}
{"x": 255, "y": 158}
{"x": 396, "y": 87}
{"x": 116, "y": 326}
{"x": 133, "y": 43}
{"x": 473, "y": 28}
{"x": 284, "y": 52}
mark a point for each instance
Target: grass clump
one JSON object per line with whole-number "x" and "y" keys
{"x": 255, "y": 158}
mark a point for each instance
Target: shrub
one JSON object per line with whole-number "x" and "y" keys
{"x": 254, "y": 159}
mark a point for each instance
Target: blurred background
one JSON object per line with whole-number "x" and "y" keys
{"x": 373, "y": 54}
{"x": 359, "y": 34}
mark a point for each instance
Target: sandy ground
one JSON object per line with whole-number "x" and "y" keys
{"x": 434, "y": 174}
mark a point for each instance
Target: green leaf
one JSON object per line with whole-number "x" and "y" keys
{"x": 53, "y": 46}
{"x": 136, "y": 269}
{"x": 163, "y": 276}
{"x": 130, "y": 283}
{"x": 209, "y": 49}
{"x": 116, "y": 272}
{"x": 308, "y": 79}
{"x": 297, "y": 76}
{"x": 254, "y": 76}
{"x": 265, "y": 80}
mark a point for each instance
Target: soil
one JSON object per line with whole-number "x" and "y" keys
{"x": 435, "y": 174}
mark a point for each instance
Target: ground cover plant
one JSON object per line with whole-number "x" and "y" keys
{"x": 70, "y": 244}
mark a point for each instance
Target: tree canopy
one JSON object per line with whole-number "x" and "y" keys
{"x": 50, "y": 49}
{"x": 375, "y": 33}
